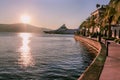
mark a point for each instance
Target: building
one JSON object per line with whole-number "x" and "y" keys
{"x": 96, "y": 15}
{"x": 115, "y": 31}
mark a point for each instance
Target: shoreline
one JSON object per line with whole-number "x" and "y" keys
{"x": 94, "y": 70}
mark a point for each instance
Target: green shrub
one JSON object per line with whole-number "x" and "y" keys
{"x": 117, "y": 41}
{"x": 107, "y": 38}
{"x": 94, "y": 35}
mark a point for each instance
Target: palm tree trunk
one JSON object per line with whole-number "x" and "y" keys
{"x": 92, "y": 30}
{"x": 109, "y": 27}
{"x": 109, "y": 31}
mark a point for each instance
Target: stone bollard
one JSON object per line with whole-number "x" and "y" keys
{"x": 107, "y": 45}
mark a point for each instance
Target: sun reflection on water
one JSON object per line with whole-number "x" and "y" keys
{"x": 26, "y": 59}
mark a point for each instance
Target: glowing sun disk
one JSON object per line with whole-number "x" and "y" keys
{"x": 25, "y": 19}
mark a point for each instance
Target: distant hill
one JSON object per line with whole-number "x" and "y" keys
{"x": 62, "y": 30}
{"x": 19, "y": 27}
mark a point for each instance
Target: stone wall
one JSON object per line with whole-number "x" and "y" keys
{"x": 94, "y": 70}
{"x": 96, "y": 47}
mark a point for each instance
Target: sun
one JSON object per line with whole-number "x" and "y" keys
{"x": 25, "y": 19}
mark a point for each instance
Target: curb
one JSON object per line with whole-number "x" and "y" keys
{"x": 95, "y": 68}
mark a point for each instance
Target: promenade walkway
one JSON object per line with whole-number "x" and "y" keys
{"x": 111, "y": 70}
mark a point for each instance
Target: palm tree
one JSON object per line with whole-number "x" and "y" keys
{"x": 109, "y": 15}
{"x": 112, "y": 14}
{"x": 116, "y": 5}
{"x": 85, "y": 26}
{"x": 92, "y": 23}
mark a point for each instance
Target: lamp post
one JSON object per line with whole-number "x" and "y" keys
{"x": 107, "y": 45}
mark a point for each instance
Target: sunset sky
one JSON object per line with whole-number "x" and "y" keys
{"x": 48, "y": 13}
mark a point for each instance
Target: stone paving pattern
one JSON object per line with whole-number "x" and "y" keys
{"x": 111, "y": 70}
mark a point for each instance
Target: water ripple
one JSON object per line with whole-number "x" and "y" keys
{"x": 46, "y": 57}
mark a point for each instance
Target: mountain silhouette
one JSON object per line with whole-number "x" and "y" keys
{"x": 20, "y": 27}
{"x": 62, "y": 30}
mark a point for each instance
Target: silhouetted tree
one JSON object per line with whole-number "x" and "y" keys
{"x": 97, "y": 5}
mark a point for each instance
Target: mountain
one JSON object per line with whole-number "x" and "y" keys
{"x": 62, "y": 30}
{"x": 19, "y": 27}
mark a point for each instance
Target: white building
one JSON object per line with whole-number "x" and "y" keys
{"x": 115, "y": 31}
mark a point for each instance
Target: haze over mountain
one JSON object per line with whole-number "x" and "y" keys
{"x": 20, "y": 27}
